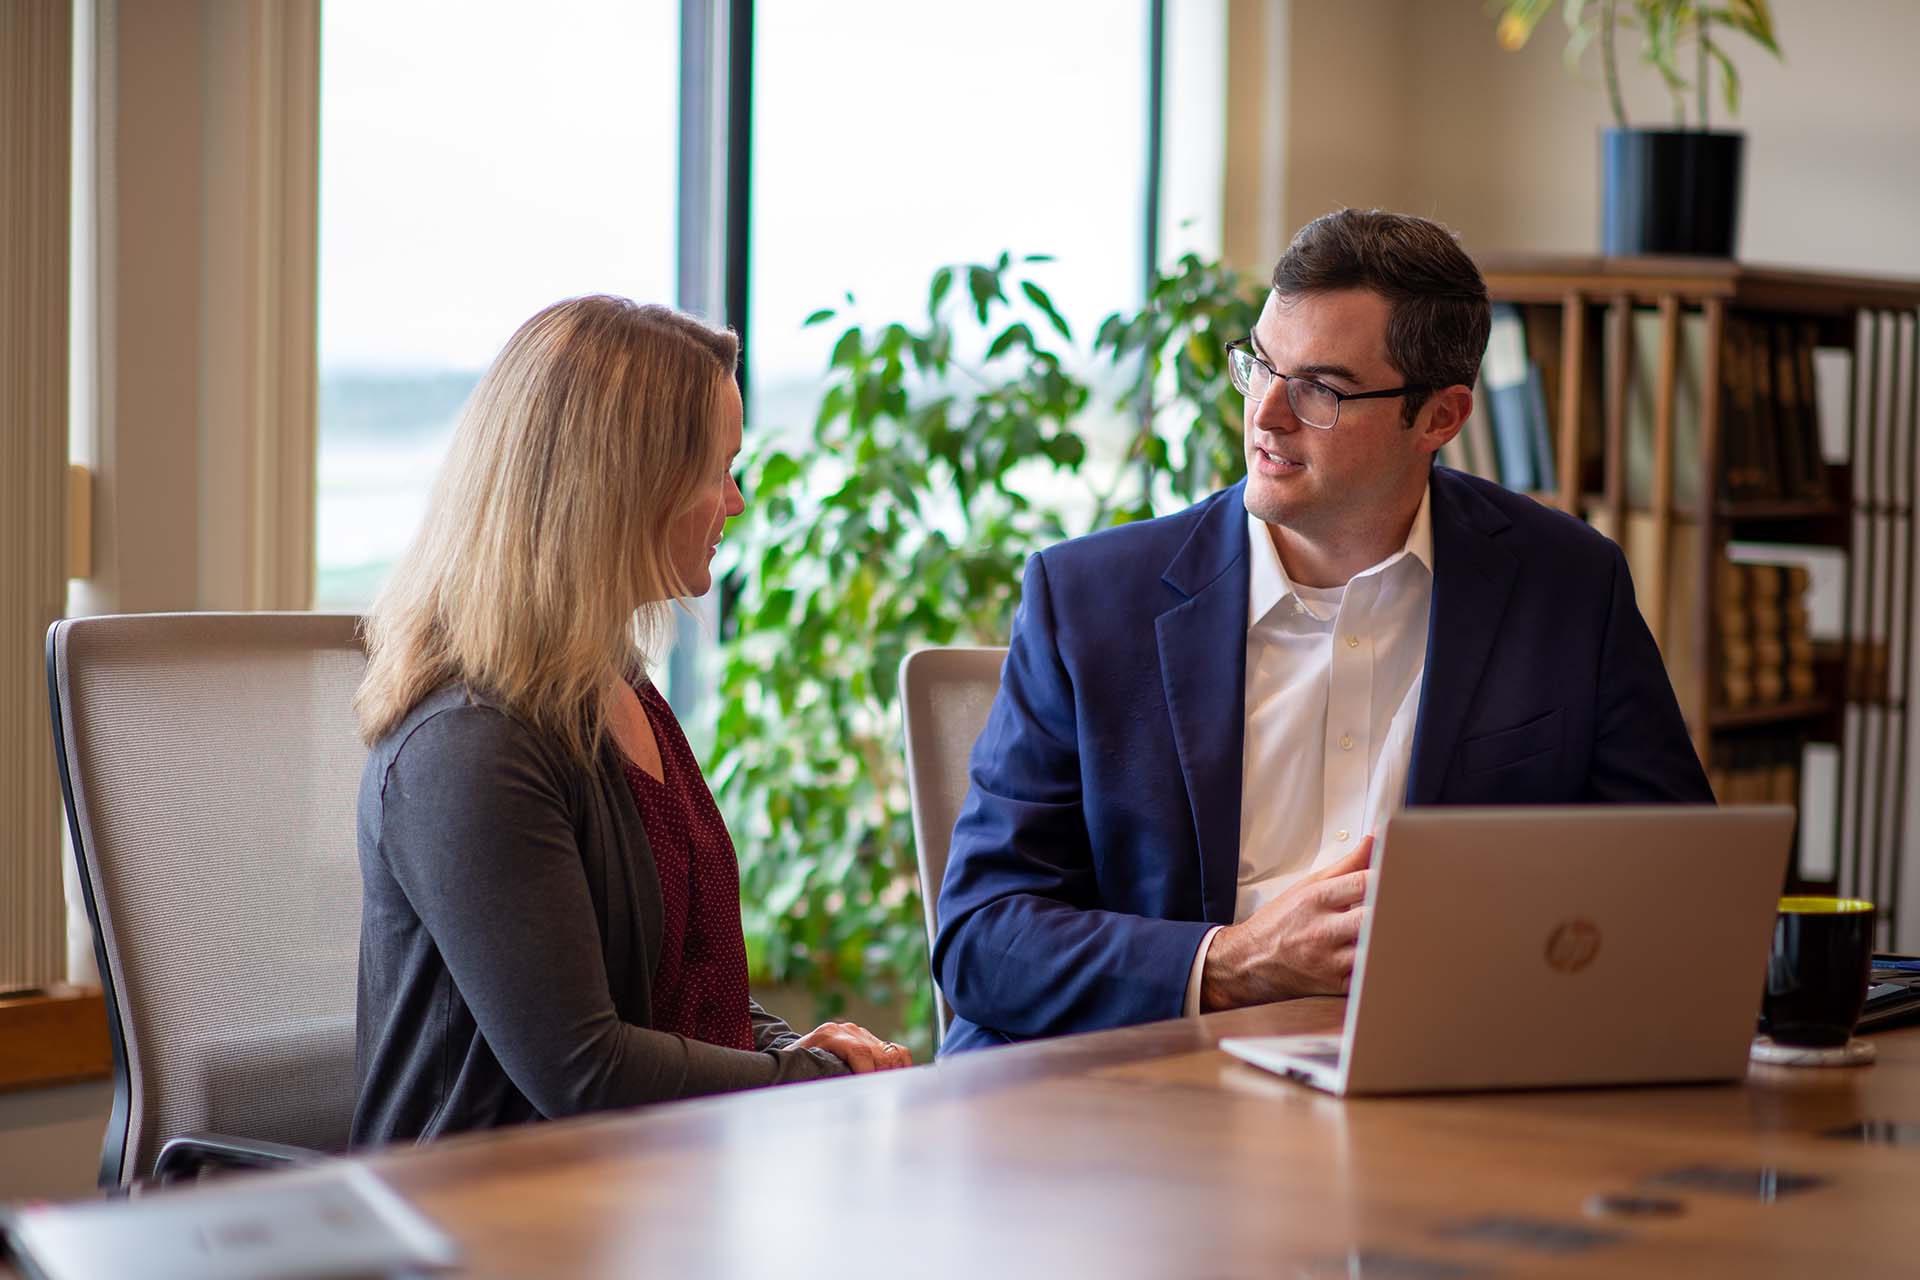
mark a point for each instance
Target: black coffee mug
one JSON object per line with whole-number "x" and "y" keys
{"x": 1817, "y": 972}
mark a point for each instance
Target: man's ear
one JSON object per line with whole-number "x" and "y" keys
{"x": 1442, "y": 416}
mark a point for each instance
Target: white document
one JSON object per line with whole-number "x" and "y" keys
{"x": 329, "y": 1220}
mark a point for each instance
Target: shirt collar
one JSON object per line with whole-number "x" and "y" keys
{"x": 1268, "y": 585}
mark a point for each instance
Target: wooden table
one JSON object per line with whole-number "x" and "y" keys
{"x": 1148, "y": 1152}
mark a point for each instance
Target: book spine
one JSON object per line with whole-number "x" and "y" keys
{"x": 1505, "y": 373}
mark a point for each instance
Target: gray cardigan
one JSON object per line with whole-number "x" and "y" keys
{"x": 509, "y": 937}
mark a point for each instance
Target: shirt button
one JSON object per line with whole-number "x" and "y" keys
{"x": 1340, "y": 835}
{"x": 1353, "y": 642}
{"x": 1346, "y": 742}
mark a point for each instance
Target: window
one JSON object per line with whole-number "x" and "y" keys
{"x": 479, "y": 160}
{"x": 890, "y": 139}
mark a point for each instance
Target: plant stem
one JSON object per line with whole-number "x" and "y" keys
{"x": 1607, "y": 66}
{"x": 1701, "y": 79}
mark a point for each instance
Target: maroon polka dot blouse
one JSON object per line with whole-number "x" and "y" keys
{"x": 700, "y": 986}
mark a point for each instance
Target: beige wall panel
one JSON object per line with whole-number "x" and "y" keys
{"x": 36, "y": 57}
{"x": 1504, "y": 147}
{"x": 50, "y": 1141}
{"x": 258, "y": 402}
{"x": 144, "y": 510}
{"x": 1253, "y": 212}
{"x": 1349, "y": 105}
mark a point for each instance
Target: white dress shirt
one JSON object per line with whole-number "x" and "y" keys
{"x": 1333, "y": 692}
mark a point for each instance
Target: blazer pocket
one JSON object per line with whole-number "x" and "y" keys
{"x": 1503, "y": 747}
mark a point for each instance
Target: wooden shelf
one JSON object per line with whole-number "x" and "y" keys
{"x": 51, "y": 1037}
{"x": 1691, "y": 376}
{"x": 1552, "y": 277}
{"x": 1772, "y": 713}
{"x": 1780, "y": 509}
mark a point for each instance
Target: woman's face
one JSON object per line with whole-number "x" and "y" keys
{"x": 695, "y": 536}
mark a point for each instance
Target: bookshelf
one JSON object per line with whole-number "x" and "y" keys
{"x": 1684, "y": 419}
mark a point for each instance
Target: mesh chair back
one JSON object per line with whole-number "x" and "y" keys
{"x": 211, "y": 767}
{"x": 945, "y": 695}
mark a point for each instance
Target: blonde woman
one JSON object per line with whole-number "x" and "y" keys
{"x": 552, "y": 916}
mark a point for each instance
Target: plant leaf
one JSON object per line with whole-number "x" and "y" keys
{"x": 1039, "y": 298}
{"x": 846, "y": 352}
{"x": 985, "y": 287}
{"x": 1730, "y": 78}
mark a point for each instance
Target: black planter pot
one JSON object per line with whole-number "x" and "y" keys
{"x": 1669, "y": 191}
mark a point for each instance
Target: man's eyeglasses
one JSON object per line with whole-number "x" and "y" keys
{"x": 1314, "y": 403}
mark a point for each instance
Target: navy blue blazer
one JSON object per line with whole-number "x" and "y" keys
{"x": 1100, "y": 837}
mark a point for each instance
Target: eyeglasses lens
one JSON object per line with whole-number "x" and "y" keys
{"x": 1312, "y": 403}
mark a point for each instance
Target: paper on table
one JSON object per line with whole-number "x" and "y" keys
{"x": 330, "y": 1220}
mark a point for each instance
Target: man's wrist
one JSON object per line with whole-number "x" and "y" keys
{"x": 1221, "y": 978}
{"x": 1190, "y": 1003}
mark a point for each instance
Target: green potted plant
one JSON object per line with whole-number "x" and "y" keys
{"x": 946, "y": 448}
{"x": 1674, "y": 190}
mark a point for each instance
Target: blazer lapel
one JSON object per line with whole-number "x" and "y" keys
{"x": 1473, "y": 576}
{"x": 1203, "y": 645}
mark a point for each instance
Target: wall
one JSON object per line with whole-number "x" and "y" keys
{"x": 50, "y": 1141}
{"x": 205, "y": 306}
{"x": 145, "y": 535}
{"x": 1410, "y": 104}
{"x": 1503, "y": 146}
{"x": 1350, "y": 64}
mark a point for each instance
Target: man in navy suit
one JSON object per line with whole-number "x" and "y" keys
{"x": 1203, "y": 719}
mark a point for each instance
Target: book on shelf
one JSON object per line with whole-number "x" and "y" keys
{"x": 1664, "y": 590}
{"x": 1742, "y": 474}
{"x": 1542, "y": 326}
{"x": 1512, "y": 437}
{"x": 1868, "y": 676}
{"x": 1780, "y": 408}
{"x": 1766, "y": 649}
{"x": 1799, "y": 342}
{"x": 1473, "y": 449}
{"x": 1773, "y": 447}
{"x": 1643, "y": 378}
{"x": 1765, "y": 653}
{"x": 1503, "y": 372}
{"x": 1762, "y": 641}
{"x": 1751, "y": 769}
{"x": 1770, "y": 437}
{"x": 1539, "y": 428}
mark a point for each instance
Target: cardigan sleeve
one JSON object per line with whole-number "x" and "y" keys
{"x": 477, "y": 831}
{"x": 770, "y": 1030}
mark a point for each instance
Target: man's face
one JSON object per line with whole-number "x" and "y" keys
{"x": 1318, "y": 484}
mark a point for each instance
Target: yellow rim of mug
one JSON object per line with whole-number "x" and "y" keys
{"x": 1803, "y": 906}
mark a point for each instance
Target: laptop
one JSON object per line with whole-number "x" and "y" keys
{"x": 1541, "y": 947}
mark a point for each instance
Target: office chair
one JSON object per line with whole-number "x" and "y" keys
{"x": 945, "y": 695}
{"x": 210, "y": 766}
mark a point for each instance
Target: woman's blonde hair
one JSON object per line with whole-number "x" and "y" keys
{"x": 543, "y": 562}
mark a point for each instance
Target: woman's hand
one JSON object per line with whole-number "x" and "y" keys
{"x": 856, "y": 1046}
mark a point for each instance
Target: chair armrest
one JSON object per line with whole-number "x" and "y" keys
{"x": 186, "y": 1155}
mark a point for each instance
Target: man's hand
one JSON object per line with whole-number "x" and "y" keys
{"x": 1300, "y": 944}
{"x": 856, "y": 1046}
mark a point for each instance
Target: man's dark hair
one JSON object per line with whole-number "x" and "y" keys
{"x": 1437, "y": 330}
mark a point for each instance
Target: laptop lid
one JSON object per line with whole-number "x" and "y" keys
{"x": 1550, "y": 946}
